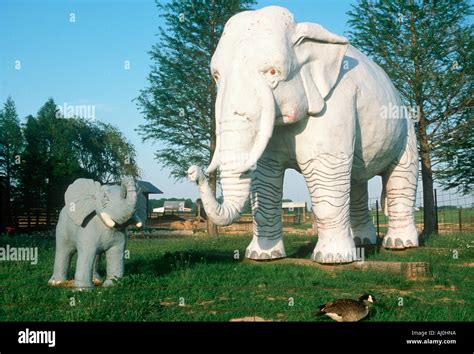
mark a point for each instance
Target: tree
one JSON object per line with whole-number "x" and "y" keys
{"x": 425, "y": 47}
{"x": 59, "y": 150}
{"x": 103, "y": 153}
{"x": 179, "y": 103}
{"x": 11, "y": 144}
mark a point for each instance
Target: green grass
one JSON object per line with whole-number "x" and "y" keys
{"x": 214, "y": 286}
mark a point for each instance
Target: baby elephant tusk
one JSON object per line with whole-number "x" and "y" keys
{"x": 107, "y": 219}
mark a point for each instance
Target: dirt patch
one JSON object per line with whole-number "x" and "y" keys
{"x": 446, "y": 288}
{"x": 249, "y": 319}
{"x": 204, "y": 303}
{"x": 394, "y": 290}
{"x": 167, "y": 303}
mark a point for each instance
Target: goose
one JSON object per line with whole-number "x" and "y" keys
{"x": 347, "y": 310}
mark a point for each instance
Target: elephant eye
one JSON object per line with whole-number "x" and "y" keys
{"x": 272, "y": 72}
{"x": 215, "y": 75}
{"x": 272, "y": 75}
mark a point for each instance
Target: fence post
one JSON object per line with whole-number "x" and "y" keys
{"x": 460, "y": 219}
{"x": 377, "y": 216}
{"x": 436, "y": 211}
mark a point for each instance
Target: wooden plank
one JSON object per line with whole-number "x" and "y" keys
{"x": 411, "y": 270}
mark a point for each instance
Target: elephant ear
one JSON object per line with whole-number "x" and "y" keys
{"x": 320, "y": 54}
{"x": 80, "y": 198}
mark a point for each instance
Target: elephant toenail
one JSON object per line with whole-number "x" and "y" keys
{"x": 276, "y": 254}
{"x": 357, "y": 241}
{"x": 388, "y": 242}
{"x": 398, "y": 243}
{"x": 318, "y": 256}
{"x": 264, "y": 255}
{"x": 367, "y": 241}
{"x": 254, "y": 255}
{"x": 408, "y": 243}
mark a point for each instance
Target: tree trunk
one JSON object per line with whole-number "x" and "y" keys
{"x": 211, "y": 227}
{"x": 429, "y": 223}
{"x": 429, "y": 218}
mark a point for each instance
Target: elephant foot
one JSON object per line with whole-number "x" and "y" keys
{"x": 97, "y": 281}
{"x": 110, "y": 282}
{"x": 364, "y": 234}
{"x": 401, "y": 237}
{"x": 261, "y": 249}
{"x": 78, "y": 285}
{"x": 58, "y": 282}
{"x": 335, "y": 249}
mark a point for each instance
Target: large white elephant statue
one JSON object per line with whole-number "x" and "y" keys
{"x": 294, "y": 95}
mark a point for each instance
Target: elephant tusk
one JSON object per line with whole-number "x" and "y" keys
{"x": 267, "y": 121}
{"x": 107, "y": 219}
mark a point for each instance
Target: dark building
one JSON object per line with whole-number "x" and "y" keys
{"x": 147, "y": 188}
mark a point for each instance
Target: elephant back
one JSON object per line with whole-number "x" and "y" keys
{"x": 80, "y": 199}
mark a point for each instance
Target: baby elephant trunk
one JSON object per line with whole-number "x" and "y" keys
{"x": 129, "y": 195}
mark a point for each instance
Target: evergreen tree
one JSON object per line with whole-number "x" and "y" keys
{"x": 179, "y": 103}
{"x": 11, "y": 145}
{"x": 425, "y": 47}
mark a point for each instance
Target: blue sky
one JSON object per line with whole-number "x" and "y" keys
{"x": 83, "y": 63}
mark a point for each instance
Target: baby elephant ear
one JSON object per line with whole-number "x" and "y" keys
{"x": 80, "y": 199}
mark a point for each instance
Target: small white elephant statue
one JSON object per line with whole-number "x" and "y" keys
{"x": 294, "y": 95}
{"x": 92, "y": 222}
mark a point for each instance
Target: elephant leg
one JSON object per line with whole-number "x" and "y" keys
{"x": 86, "y": 255}
{"x": 62, "y": 261}
{"x": 400, "y": 183}
{"x": 96, "y": 278}
{"x": 266, "y": 196}
{"x": 328, "y": 177}
{"x": 115, "y": 262}
{"x": 362, "y": 227}
{"x": 64, "y": 251}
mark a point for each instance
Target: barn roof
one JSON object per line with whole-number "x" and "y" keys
{"x": 149, "y": 188}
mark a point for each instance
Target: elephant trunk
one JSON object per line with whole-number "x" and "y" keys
{"x": 129, "y": 185}
{"x": 245, "y": 143}
{"x": 235, "y": 190}
{"x": 129, "y": 195}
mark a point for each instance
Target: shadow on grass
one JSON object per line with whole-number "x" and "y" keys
{"x": 306, "y": 250}
{"x": 303, "y": 251}
{"x": 176, "y": 261}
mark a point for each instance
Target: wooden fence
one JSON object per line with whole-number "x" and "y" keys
{"x": 34, "y": 219}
